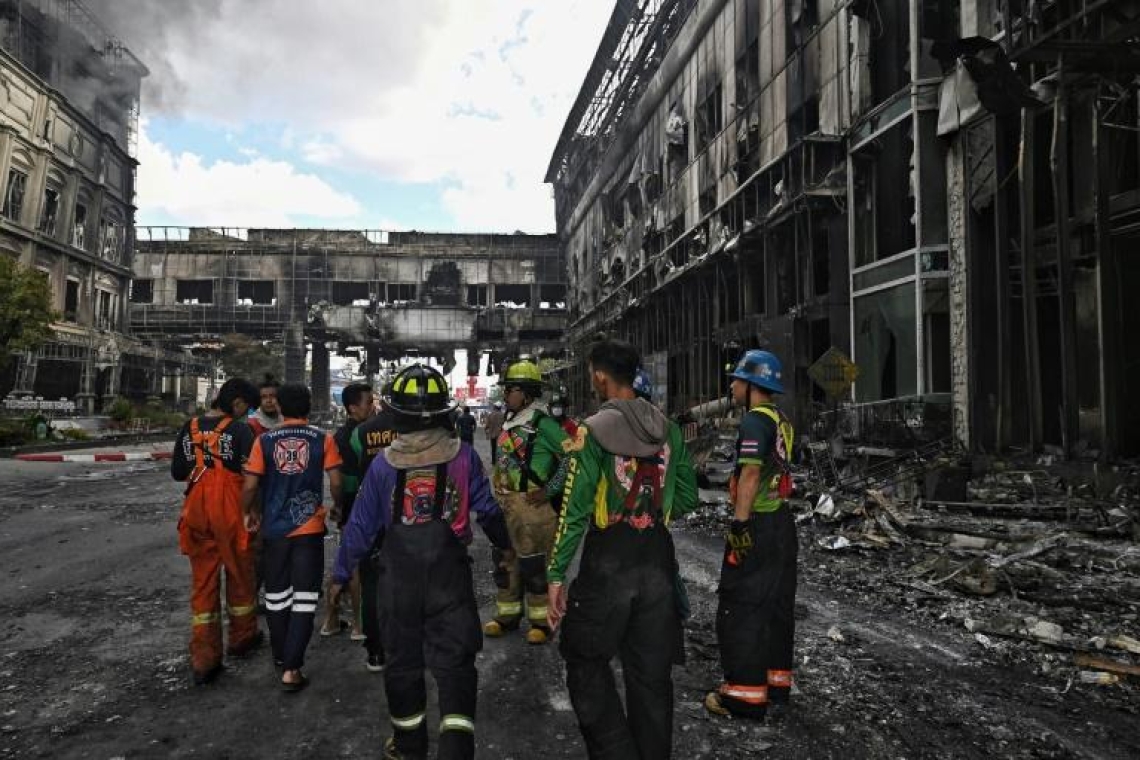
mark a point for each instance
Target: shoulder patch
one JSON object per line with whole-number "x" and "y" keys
{"x": 578, "y": 442}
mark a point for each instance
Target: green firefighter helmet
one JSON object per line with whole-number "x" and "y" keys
{"x": 523, "y": 374}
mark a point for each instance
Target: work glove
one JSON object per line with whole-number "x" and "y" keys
{"x": 739, "y": 542}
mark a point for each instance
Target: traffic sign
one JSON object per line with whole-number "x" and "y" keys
{"x": 833, "y": 372}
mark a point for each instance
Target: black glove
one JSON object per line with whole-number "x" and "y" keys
{"x": 739, "y": 541}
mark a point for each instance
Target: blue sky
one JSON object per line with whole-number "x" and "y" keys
{"x": 397, "y": 114}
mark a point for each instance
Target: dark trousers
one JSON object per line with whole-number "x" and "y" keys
{"x": 369, "y": 605}
{"x": 293, "y": 571}
{"x": 428, "y": 618}
{"x": 622, "y": 604}
{"x": 755, "y": 617}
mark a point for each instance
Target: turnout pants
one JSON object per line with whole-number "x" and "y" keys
{"x": 755, "y": 623}
{"x": 428, "y": 618}
{"x": 369, "y": 605}
{"x": 622, "y": 604}
{"x": 294, "y": 568}
{"x": 212, "y": 535}
{"x": 531, "y": 525}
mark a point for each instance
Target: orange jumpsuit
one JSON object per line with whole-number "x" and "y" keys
{"x": 212, "y": 534}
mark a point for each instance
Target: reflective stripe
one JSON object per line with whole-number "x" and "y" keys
{"x": 409, "y": 723}
{"x": 243, "y": 609}
{"x": 278, "y": 595}
{"x": 275, "y": 606}
{"x": 456, "y": 723}
{"x": 780, "y": 678}
{"x": 204, "y": 618}
{"x": 307, "y": 596}
{"x": 534, "y": 612}
{"x": 753, "y": 695}
{"x": 508, "y": 608}
{"x": 304, "y": 607}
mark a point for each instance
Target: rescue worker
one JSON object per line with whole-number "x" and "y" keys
{"x": 209, "y": 454}
{"x": 493, "y": 426}
{"x": 416, "y": 501}
{"x": 368, "y": 440}
{"x": 755, "y": 623}
{"x": 630, "y": 475}
{"x": 359, "y": 407}
{"x": 560, "y": 411}
{"x": 526, "y": 473}
{"x": 268, "y": 414}
{"x": 288, "y": 463}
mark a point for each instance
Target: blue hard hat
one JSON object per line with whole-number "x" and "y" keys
{"x": 643, "y": 385}
{"x": 762, "y": 369}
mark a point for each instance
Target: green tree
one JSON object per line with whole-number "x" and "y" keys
{"x": 243, "y": 356}
{"x": 25, "y": 309}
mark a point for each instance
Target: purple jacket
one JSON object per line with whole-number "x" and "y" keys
{"x": 467, "y": 491}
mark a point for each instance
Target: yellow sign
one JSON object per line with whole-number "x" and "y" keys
{"x": 833, "y": 372}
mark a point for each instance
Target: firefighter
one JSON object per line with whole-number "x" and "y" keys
{"x": 209, "y": 454}
{"x": 416, "y": 501}
{"x": 755, "y": 624}
{"x": 527, "y": 471}
{"x": 359, "y": 406}
{"x": 368, "y": 440}
{"x": 630, "y": 474}
{"x": 288, "y": 464}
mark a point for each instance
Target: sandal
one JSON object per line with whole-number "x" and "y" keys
{"x": 292, "y": 687}
{"x": 341, "y": 628}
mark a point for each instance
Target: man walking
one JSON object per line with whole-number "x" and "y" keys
{"x": 465, "y": 425}
{"x": 755, "y": 618}
{"x": 208, "y": 455}
{"x": 630, "y": 475}
{"x": 418, "y": 497}
{"x": 289, "y": 463}
{"x": 526, "y": 471}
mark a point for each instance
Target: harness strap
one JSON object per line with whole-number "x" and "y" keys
{"x": 647, "y": 478}
{"x": 208, "y": 440}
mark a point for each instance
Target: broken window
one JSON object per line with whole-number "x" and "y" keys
{"x": 194, "y": 292}
{"x": 349, "y": 293}
{"x": 552, "y": 296}
{"x": 710, "y": 118}
{"x": 401, "y": 292}
{"x": 14, "y": 197}
{"x": 142, "y": 291}
{"x": 443, "y": 284}
{"x": 103, "y": 310}
{"x": 111, "y": 239}
{"x": 885, "y": 344}
{"x": 707, "y": 201}
{"x": 884, "y": 209}
{"x": 71, "y": 301}
{"x": 936, "y": 335}
{"x": 79, "y": 227}
{"x": 49, "y": 212}
{"x": 476, "y": 295}
{"x": 512, "y": 296}
{"x": 257, "y": 293}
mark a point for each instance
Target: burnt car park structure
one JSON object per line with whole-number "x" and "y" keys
{"x": 943, "y": 190}
{"x": 387, "y": 294}
{"x": 69, "y": 97}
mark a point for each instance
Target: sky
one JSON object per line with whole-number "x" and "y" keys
{"x": 434, "y": 115}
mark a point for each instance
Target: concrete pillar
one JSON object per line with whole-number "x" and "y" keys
{"x": 85, "y": 399}
{"x": 322, "y": 377}
{"x": 294, "y": 354}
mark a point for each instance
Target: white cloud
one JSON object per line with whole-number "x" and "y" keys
{"x": 469, "y": 94}
{"x": 260, "y": 192}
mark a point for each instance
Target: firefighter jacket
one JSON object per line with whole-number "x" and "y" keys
{"x": 765, "y": 440}
{"x": 418, "y": 460}
{"x": 291, "y": 461}
{"x": 530, "y": 452}
{"x": 602, "y": 469}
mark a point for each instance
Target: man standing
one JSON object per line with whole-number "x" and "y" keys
{"x": 493, "y": 426}
{"x": 359, "y": 406}
{"x": 209, "y": 454}
{"x": 268, "y": 414}
{"x": 755, "y": 621}
{"x": 418, "y": 496}
{"x": 526, "y": 472}
{"x": 630, "y": 475}
{"x": 465, "y": 425}
{"x": 288, "y": 463}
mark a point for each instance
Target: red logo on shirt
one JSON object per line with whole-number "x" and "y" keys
{"x": 291, "y": 455}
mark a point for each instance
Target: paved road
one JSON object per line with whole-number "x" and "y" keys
{"x": 94, "y": 619}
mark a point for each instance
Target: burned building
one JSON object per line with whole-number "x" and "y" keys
{"x": 810, "y": 175}
{"x": 69, "y": 94}
{"x": 381, "y": 294}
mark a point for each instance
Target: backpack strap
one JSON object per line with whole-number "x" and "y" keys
{"x": 440, "y": 492}
{"x": 646, "y": 482}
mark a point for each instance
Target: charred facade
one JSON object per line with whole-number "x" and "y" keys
{"x": 802, "y": 175}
